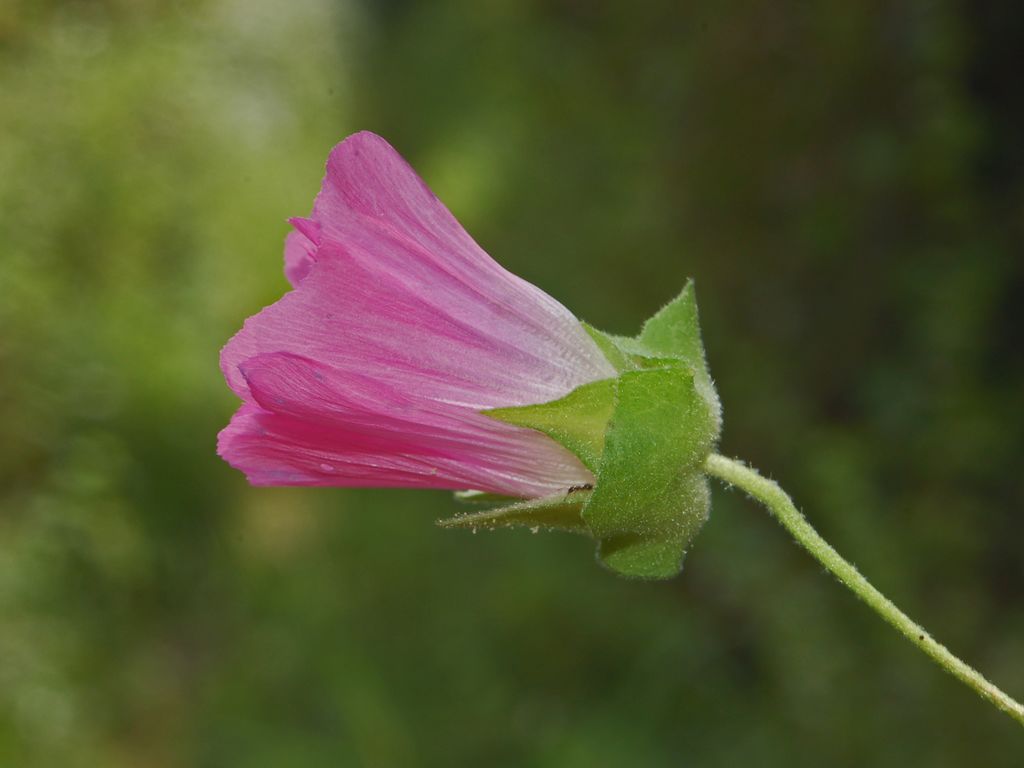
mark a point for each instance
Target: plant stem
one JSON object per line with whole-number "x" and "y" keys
{"x": 778, "y": 502}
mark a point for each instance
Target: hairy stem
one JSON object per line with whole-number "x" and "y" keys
{"x": 778, "y": 502}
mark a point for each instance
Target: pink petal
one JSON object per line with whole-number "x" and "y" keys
{"x": 310, "y": 424}
{"x": 391, "y": 293}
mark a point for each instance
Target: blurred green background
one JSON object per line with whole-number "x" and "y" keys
{"x": 845, "y": 181}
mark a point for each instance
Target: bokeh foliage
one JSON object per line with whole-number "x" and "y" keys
{"x": 845, "y": 181}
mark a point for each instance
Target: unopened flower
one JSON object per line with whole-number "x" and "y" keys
{"x": 399, "y": 331}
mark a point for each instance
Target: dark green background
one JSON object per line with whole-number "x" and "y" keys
{"x": 845, "y": 181}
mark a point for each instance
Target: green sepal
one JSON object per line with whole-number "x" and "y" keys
{"x": 625, "y": 353}
{"x": 560, "y": 512}
{"x": 674, "y": 331}
{"x": 577, "y": 421}
{"x": 658, "y": 554}
{"x": 614, "y": 348}
{"x": 648, "y": 501}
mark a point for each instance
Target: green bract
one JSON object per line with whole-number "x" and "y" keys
{"x": 644, "y": 434}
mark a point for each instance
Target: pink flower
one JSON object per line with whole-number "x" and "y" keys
{"x": 399, "y": 331}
